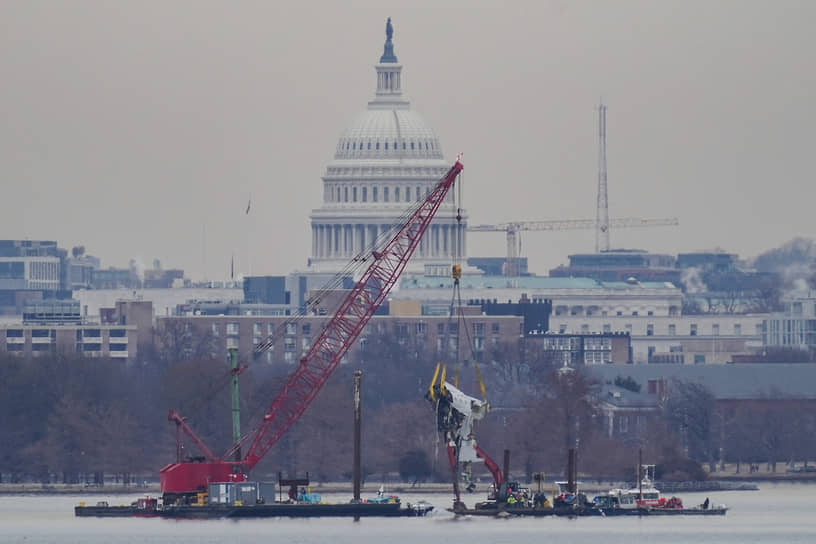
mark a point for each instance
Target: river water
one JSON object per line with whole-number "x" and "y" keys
{"x": 781, "y": 513}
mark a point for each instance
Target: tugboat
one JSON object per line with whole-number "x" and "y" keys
{"x": 642, "y": 495}
{"x": 645, "y": 499}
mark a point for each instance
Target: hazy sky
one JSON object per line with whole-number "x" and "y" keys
{"x": 135, "y": 127}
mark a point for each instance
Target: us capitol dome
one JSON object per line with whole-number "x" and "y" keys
{"x": 385, "y": 160}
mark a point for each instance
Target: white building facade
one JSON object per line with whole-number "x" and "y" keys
{"x": 686, "y": 339}
{"x": 386, "y": 161}
{"x": 795, "y": 327}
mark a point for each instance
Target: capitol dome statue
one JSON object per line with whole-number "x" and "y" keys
{"x": 386, "y": 160}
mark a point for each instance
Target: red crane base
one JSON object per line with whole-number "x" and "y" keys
{"x": 184, "y": 478}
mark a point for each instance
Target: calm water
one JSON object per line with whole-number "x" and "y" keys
{"x": 784, "y": 513}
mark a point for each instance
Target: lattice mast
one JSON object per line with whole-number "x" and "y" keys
{"x": 602, "y": 211}
{"x": 345, "y": 326}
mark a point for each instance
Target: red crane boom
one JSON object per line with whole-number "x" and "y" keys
{"x": 324, "y": 355}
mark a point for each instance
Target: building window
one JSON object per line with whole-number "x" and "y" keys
{"x": 628, "y": 328}
{"x": 374, "y": 194}
{"x": 117, "y": 333}
{"x": 232, "y": 328}
{"x": 619, "y": 313}
{"x": 672, "y": 329}
{"x": 699, "y": 359}
{"x": 345, "y": 194}
{"x": 386, "y": 146}
{"x": 307, "y": 329}
{"x": 257, "y": 329}
{"x": 650, "y": 312}
{"x": 270, "y": 328}
{"x": 562, "y": 328}
{"x": 693, "y": 329}
{"x": 92, "y": 333}
{"x": 494, "y": 328}
{"x": 365, "y": 194}
{"x": 440, "y": 328}
{"x": 607, "y": 328}
{"x": 634, "y": 313}
{"x": 396, "y": 194}
{"x": 213, "y": 327}
{"x": 715, "y": 329}
{"x": 418, "y": 194}
{"x": 118, "y": 347}
{"x": 407, "y": 194}
{"x": 15, "y": 333}
{"x": 421, "y": 328}
{"x": 412, "y": 145}
{"x": 291, "y": 329}
{"x": 354, "y": 194}
{"x": 737, "y": 329}
{"x": 650, "y": 329}
{"x": 385, "y": 194}
{"x": 453, "y": 328}
{"x": 585, "y": 328}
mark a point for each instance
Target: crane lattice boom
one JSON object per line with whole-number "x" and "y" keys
{"x": 325, "y": 354}
{"x": 347, "y": 324}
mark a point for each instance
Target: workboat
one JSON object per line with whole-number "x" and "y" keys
{"x": 641, "y": 495}
{"x": 646, "y": 499}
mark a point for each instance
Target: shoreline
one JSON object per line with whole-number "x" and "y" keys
{"x": 432, "y": 488}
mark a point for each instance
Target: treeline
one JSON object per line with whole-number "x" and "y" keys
{"x": 76, "y": 420}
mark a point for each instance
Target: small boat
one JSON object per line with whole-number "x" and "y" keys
{"x": 643, "y": 495}
{"x": 645, "y": 499}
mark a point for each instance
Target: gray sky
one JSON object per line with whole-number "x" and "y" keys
{"x": 134, "y": 127}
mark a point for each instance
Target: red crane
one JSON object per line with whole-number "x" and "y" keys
{"x": 186, "y": 478}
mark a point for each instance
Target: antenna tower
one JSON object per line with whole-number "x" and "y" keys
{"x": 602, "y": 212}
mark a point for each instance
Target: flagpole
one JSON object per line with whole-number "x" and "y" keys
{"x": 249, "y": 236}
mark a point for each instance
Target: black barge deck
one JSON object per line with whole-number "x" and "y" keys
{"x": 291, "y": 510}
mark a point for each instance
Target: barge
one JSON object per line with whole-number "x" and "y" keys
{"x": 149, "y": 508}
{"x": 586, "y": 510}
{"x": 256, "y": 500}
